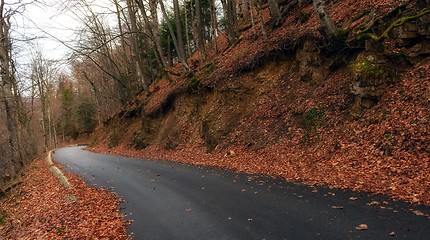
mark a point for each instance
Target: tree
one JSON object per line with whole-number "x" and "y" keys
{"x": 8, "y": 85}
{"x": 198, "y": 28}
{"x": 181, "y": 46}
{"x": 328, "y": 26}
{"x": 275, "y": 11}
{"x": 43, "y": 75}
{"x": 182, "y": 58}
{"x": 230, "y": 14}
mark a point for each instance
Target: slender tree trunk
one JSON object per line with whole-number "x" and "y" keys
{"x": 169, "y": 52}
{"x": 178, "y": 24}
{"x": 229, "y": 8}
{"x": 252, "y": 13}
{"x": 121, "y": 31}
{"x": 245, "y": 10}
{"x": 200, "y": 31}
{"x": 260, "y": 17}
{"x": 214, "y": 26}
{"x": 154, "y": 28}
{"x": 136, "y": 53}
{"x": 7, "y": 83}
{"x": 181, "y": 57}
{"x": 187, "y": 31}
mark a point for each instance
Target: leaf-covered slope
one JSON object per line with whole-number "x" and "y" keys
{"x": 277, "y": 106}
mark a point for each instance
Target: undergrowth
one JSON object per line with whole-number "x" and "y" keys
{"x": 314, "y": 119}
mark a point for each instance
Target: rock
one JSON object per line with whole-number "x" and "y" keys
{"x": 423, "y": 27}
{"x": 406, "y": 31}
{"x": 310, "y": 62}
{"x": 370, "y": 76}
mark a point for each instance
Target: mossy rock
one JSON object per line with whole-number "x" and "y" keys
{"x": 368, "y": 73}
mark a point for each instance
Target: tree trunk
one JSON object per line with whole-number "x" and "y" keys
{"x": 178, "y": 24}
{"x": 7, "y": 83}
{"x": 328, "y": 26}
{"x": 275, "y": 11}
{"x": 136, "y": 55}
{"x": 199, "y": 31}
{"x": 260, "y": 17}
{"x": 214, "y": 26}
{"x": 154, "y": 28}
{"x": 181, "y": 57}
{"x": 187, "y": 30}
{"x": 229, "y": 8}
{"x": 245, "y": 10}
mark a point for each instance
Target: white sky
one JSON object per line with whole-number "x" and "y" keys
{"x": 52, "y": 23}
{"x": 44, "y": 22}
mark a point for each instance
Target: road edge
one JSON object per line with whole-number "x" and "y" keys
{"x": 57, "y": 172}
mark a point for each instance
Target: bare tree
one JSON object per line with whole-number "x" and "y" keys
{"x": 43, "y": 74}
{"x": 8, "y": 84}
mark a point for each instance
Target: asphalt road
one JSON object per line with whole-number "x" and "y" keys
{"x": 174, "y": 201}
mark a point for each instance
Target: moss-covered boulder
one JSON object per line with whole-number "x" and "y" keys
{"x": 370, "y": 75}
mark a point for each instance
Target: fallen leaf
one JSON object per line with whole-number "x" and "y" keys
{"x": 418, "y": 213}
{"x": 337, "y": 207}
{"x": 362, "y": 227}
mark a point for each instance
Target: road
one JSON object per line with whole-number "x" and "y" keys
{"x": 175, "y": 201}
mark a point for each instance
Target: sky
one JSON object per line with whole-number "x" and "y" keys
{"x": 51, "y": 25}
{"x": 47, "y": 25}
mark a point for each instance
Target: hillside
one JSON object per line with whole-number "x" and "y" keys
{"x": 352, "y": 113}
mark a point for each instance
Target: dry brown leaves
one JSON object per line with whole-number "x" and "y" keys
{"x": 385, "y": 151}
{"x": 39, "y": 209}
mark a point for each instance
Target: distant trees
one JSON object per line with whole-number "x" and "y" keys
{"x": 42, "y": 76}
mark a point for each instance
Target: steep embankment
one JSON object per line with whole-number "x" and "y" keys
{"x": 352, "y": 113}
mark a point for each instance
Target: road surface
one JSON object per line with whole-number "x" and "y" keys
{"x": 175, "y": 201}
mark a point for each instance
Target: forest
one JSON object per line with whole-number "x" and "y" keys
{"x": 325, "y": 92}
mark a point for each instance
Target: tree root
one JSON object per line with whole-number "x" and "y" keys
{"x": 399, "y": 22}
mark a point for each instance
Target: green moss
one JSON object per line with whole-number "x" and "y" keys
{"x": 114, "y": 139}
{"x": 208, "y": 68}
{"x": 366, "y": 69}
{"x": 387, "y": 136}
{"x": 194, "y": 83}
{"x": 137, "y": 141}
{"x": 399, "y": 22}
{"x": 3, "y": 216}
{"x": 314, "y": 119}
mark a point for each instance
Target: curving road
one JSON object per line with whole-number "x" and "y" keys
{"x": 174, "y": 201}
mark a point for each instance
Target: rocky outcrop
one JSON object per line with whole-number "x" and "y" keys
{"x": 310, "y": 62}
{"x": 370, "y": 75}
